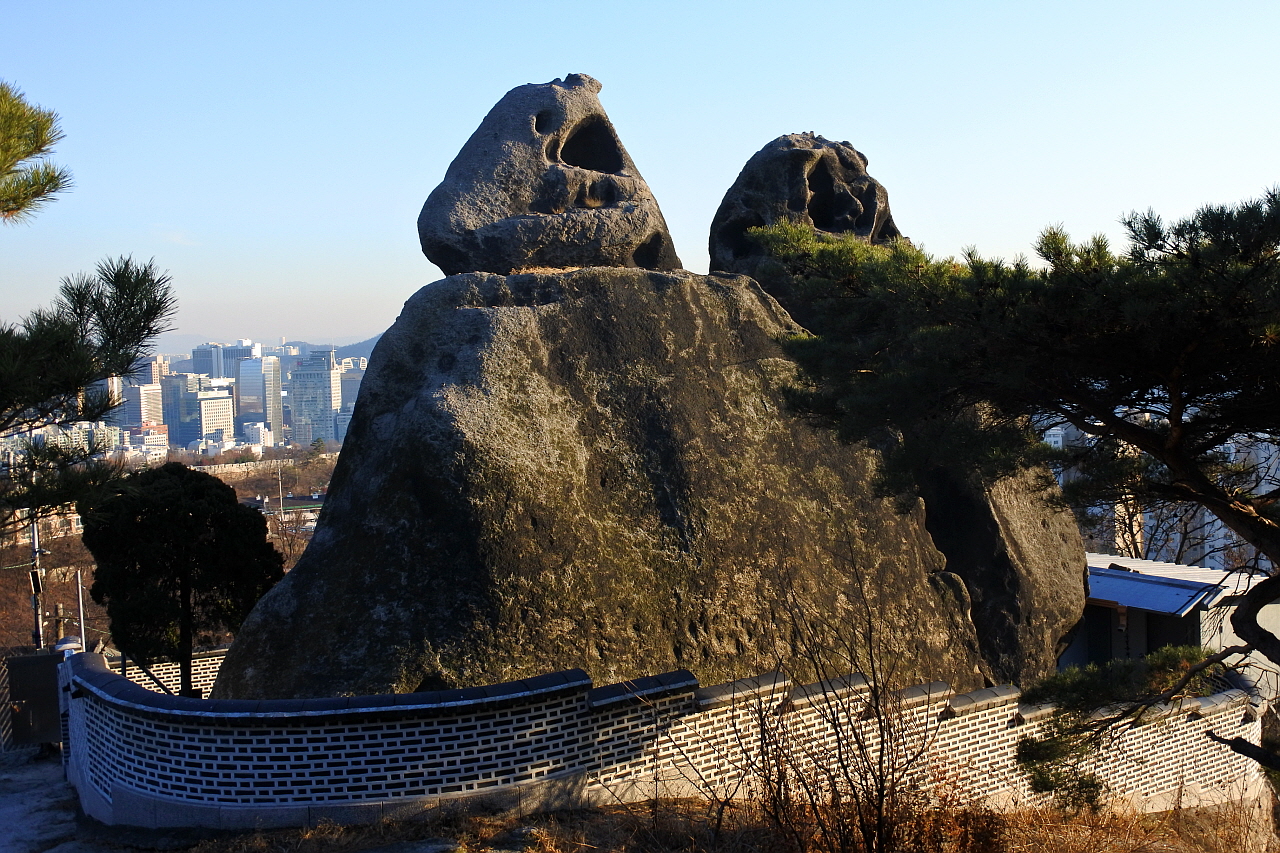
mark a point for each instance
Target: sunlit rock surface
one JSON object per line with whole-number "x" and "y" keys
{"x": 596, "y": 469}
{"x": 545, "y": 182}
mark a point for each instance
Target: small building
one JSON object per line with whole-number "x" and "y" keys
{"x": 1137, "y": 606}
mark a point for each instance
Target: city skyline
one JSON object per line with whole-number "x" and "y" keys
{"x": 273, "y": 157}
{"x": 242, "y": 395}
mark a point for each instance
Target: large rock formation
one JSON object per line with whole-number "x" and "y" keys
{"x": 596, "y": 469}
{"x": 801, "y": 178}
{"x": 544, "y": 182}
{"x": 987, "y": 535}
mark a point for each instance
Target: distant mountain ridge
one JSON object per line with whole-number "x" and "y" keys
{"x": 176, "y": 343}
{"x": 362, "y": 349}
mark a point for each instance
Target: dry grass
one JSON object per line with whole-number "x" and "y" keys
{"x": 1232, "y": 828}
{"x": 690, "y": 826}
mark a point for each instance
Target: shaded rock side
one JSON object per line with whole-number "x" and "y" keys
{"x": 805, "y": 179}
{"x": 595, "y": 469}
{"x": 545, "y": 182}
{"x": 1021, "y": 560}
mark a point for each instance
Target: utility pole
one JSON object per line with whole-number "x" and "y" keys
{"x": 60, "y": 620}
{"x": 37, "y": 583}
{"x": 84, "y": 629}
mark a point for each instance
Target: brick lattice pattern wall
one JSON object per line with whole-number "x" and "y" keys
{"x": 229, "y": 761}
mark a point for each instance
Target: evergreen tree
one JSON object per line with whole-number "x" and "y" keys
{"x": 27, "y": 135}
{"x": 50, "y": 365}
{"x": 1164, "y": 355}
{"x": 178, "y": 557}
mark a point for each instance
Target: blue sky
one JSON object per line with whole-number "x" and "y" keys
{"x": 274, "y": 156}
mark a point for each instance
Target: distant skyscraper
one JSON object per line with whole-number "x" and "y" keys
{"x": 258, "y": 393}
{"x": 351, "y": 387}
{"x": 114, "y": 387}
{"x": 172, "y": 387}
{"x": 206, "y": 415}
{"x": 149, "y": 370}
{"x": 143, "y": 404}
{"x": 315, "y": 395}
{"x": 258, "y": 433}
{"x": 342, "y": 422}
{"x": 218, "y": 361}
{"x": 231, "y": 355}
{"x": 207, "y": 359}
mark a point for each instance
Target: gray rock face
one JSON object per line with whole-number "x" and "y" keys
{"x": 1011, "y": 554}
{"x": 544, "y": 182}
{"x": 801, "y": 178}
{"x": 596, "y": 469}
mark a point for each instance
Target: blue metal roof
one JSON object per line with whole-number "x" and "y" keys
{"x": 1145, "y": 592}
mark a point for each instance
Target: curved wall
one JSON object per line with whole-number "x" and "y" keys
{"x": 142, "y": 758}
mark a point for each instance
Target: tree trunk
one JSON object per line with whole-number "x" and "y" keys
{"x": 185, "y": 631}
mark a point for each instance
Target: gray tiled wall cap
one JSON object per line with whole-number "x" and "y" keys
{"x": 1244, "y": 681}
{"x": 1031, "y": 713}
{"x": 831, "y": 689}
{"x": 930, "y": 692}
{"x": 649, "y": 687}
{"x": 745, "y": 690}
{"x": 92, "y": 673}
{"x": 1224, "y": 700}
{"x": 1159, "y": 711}
{"x": 980, "y": 700}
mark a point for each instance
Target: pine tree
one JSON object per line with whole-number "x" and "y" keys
{"x": 1164, "y": 355}
{"x": 98, "y": 328}
{"x": 178, "y": 557}
{"x": 27, "y": 136}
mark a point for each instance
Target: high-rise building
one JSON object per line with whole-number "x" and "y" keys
{"x": 342, "y": 422}
{"x": 207, "y": 359}
{"x": 258, "y": 393}
{"x": 258, "y": 433}
{"x": 351, "y": 387}
{"x": 315, "y": 395}
{"x": 172, "y": 387}
{"x": 149, "y": 370}
{"x": 205, "y": 416}
{"x": 143, "y": 404}
{"x": 218, "y": 361}
{"x": 112, "y": 385}
{"x": 243, "y": 348}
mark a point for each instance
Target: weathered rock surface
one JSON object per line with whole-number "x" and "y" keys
{"x": 545, "y": 182}
{"x": 1008, "y": 552}
{"x": 1019, "y": 560}
{"x": 805, "y": 179}
{"x": 596, "y": 469}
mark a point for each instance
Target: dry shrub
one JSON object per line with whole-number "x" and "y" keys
{"x": 697, "y": 826}
{"x": 1231, "y": 828}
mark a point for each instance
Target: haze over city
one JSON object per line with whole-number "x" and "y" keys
{"x": 274, "y": 157}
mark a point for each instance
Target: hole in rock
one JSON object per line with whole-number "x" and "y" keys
{"x": 739, "y": 242}
{"x": 601, "y": 193}
{"x": 822, "y": 196}
{"x": 545, "y": 121}
{"x": 592, "y": 145}
{"x": 648, "y": 253}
